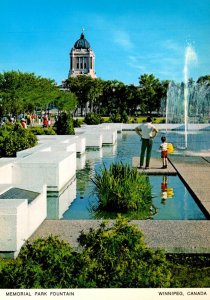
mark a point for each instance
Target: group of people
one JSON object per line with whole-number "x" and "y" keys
{"x": 147, "y": 131}
{"x": 29, "y": 120}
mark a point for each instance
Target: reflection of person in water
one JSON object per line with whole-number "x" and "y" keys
{"x": 166, "y": 192}
{"x": 164, "y": 185}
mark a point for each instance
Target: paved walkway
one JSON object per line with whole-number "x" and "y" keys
{"x": 173, "y": 236}
{"x": 195, "y": 173}
{"x": 155, "y": 167}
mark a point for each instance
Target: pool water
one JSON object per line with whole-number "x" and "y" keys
{"x": 170, "y": 196}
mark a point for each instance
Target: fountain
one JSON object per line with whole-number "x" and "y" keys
{"x": 190, "y": 55}
{"x": 188, "y": 103}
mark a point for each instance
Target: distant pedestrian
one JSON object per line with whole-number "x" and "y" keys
{"x": 39, "y": 119}
{"x": 23, "y": 123}
{"x": 164, "y": 152}
{"x": 28, "y": 119}
{"x": 147, "y": 131}
{"x": 32, "y": 120}
{"x": 45, "y": 121}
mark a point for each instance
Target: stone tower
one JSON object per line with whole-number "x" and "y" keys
{"x": 82, "y": 58}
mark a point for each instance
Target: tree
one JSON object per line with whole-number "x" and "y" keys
{"x": 203, "y": 79}
{"x": 66, "y": 101}
{"x": 80, "y": 86}
{"x": 20, "y": 92}
{"x": 151, "y": 92}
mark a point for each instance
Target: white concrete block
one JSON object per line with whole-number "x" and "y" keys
{"x": 52, "y": 168}
{"x": 37, "y": 211}
{"x": 109, "y": 136}
{"x": 65, "y": 139}
{"x": 80, "y": 143}
{"x": 61, "y": 146}
{"x": 13, "y": 224}
{"x": 6, "y": 170}
{"x": 29, "y": 151}
{"x": 93, "y": 139}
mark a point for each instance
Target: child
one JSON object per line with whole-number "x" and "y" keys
{"x": 164, "y": 152}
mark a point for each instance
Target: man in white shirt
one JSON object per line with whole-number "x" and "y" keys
{"x": 147, "y": 131}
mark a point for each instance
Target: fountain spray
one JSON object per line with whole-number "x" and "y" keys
{"x": 190, "y": 55}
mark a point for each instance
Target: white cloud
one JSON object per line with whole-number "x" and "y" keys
{"x": 173, "y": 46}
{"x": 123, "y": 39}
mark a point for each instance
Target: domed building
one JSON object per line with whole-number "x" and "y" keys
{"x": 82, "y": 58}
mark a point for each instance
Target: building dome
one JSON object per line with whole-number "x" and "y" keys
{"x": 82, "y": 43}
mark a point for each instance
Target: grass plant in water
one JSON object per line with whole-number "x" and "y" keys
{"x": 121, "y": 189}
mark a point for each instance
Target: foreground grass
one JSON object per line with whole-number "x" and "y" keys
{"x": 190, "y": 270}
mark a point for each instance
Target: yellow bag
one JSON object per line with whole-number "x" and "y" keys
{"x": 170, "y": 148}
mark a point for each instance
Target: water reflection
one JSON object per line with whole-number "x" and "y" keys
{"x": 81, "y": 160}
{"x": 166, "y": 191}
{"x": 173, "y": 201}
{"x": 59, "y": 202}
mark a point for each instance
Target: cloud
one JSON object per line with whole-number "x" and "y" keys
{"x": 123, "y": 39}
{"x": 172, "y": 46}
{"x": 133, "y": 62}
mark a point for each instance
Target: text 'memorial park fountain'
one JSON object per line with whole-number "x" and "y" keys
{"x": 188, "y": 102}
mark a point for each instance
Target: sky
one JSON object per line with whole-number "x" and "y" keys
{"x": 129, "y": 37}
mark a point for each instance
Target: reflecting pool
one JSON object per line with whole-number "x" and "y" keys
{"x": 170, "y": 196}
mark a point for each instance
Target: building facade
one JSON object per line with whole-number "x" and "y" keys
{"x": 82, "y": 59}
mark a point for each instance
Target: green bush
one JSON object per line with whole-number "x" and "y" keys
{"x": 42, "y": 130}
{"x": 92, "y": 119}
{"x": 119, "y": 118}
{"x": 45, "y": 263}
{"x": 64, "y": 124}
{"x": 13, "y": 138}
{"x": 122, "y": 189}
{"x": 110, "y": 257}
{"x": 119, "y": 258}
{"x": 77, "y": 123}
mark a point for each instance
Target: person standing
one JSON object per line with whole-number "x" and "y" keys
{"x": 147, "y": 131}
{"x": 164, "y": 152}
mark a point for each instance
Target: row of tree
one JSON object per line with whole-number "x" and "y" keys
{"x": 112, "y": 96}
{"x": 25, "y": 92}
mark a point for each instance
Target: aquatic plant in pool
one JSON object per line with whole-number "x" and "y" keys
{"x": 121, "y": 189}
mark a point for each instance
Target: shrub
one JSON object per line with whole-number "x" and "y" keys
{"x": 119, "y": 118}
{"x": 92, "y": 119}
{"x": 42, "y": 131}
{"x": 113, "y": 256}
{"x": 115, "y": 118}
{"x": 122, "y": 189}
{"x": 45, "y": 263}
{"x": 77, "y": 123}
{"x": 64, "y": 124}
{"x": 13, "y": 138}
{"x": 119, "y": 258}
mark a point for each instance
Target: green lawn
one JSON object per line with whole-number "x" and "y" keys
{"x": 139, "y": 119}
